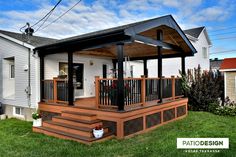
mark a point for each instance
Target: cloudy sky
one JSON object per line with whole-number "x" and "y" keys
{"x": 219, "y": 17}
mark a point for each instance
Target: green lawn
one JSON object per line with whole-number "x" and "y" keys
{"x": 17, "y": 139}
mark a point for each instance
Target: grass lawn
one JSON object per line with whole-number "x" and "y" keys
{"x": 17, "y": 139}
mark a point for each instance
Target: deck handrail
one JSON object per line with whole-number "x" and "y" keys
{"x": 147, "y": 92}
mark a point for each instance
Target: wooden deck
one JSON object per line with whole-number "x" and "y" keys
{"x": 86, "y": 102}
{"x": 126, "y": 123}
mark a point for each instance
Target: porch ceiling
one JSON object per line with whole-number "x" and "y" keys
{"x": 140, "y": 41}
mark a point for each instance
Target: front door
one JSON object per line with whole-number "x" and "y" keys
{"x": 78, "y": 77}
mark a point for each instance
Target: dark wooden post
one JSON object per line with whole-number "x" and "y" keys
{"x": 120, "y": 84}
{"x": 41, "y": 77}
{"x": 114, "y": 67}
{"x": 183, "y": 65}
{"x": 159, "y": 53}
{"x": 70, "y": 79}
{"x": 145, "y": 70}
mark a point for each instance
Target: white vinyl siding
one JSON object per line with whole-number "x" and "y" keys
{"x": 20, "y": 54}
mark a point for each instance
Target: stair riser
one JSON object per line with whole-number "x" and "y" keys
{"x": 58, "y": 135}
{"x": 79, "y": 117}
{"x": 68, "y": 130}
{"x": 76, "y": 123}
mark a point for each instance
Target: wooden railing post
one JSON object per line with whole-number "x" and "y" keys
{"x": 54, "y": 89}
{"x": 143, "y": 89}
{"x": 173, "y": 87}
{"x": 97, "y": 87}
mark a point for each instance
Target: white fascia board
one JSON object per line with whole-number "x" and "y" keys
{"x": 224, "y": 70}
{"x": 17, "y": 41}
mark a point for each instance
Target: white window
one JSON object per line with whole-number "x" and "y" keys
{"x": 204, "y": 52}
{"x": 12, "y": 71}
{"x": 18, "y": 112}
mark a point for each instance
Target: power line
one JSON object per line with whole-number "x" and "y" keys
{"x": 223, "y": 33}
{"x": 224, "y": 38}
{"x": 62, "y": 14}
{"x": 229, "y": 51}
{"x": 225, "y": 28}
{"x": 47, "y": 15}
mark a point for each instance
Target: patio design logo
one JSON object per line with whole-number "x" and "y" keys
{"x": 202, "y": 143}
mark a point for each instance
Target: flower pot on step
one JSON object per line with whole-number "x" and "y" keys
{"x": 37, "y": 122}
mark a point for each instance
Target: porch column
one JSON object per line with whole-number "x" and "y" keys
{"x": 159, "y": 53}
{"x": 183, "y": 65}
{"x": 145, "y": 70}
{"x": 41, "y": 77}
{"x": 114, "y": 67}
{"x": 70, "y": 79}
{"x": 120, "y": 83}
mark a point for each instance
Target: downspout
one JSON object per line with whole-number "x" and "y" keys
{"x": 29, "y": 79}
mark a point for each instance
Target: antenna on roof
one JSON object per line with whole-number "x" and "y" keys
{"x": 29, "y": 31}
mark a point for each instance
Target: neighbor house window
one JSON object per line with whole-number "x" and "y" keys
{"x": 18, "y": 111}
{"x": 204, "y": 52}
{"x": 12, "y": 71}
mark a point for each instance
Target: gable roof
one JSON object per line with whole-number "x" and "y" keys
{"x": 34, "y": 41}
{"x": 228, "y": 64}
{"x": 194, "y": 32}
{"x": 144, "y": 31}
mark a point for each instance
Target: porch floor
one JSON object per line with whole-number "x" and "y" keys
{"x": 85, "y": 102}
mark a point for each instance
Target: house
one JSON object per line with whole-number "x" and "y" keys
{"x": 215, "y": 64}
{"x": 77, "y": 94}
{"x": 228, "y": 67}
{"x": 200, "y": 40}
{"x": 19, "y": 91}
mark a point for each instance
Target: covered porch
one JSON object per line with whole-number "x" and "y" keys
{"x": 125, "y": 105}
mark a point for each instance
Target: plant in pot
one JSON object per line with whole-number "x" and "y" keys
{"x": 98, "y": 131}
{"x": 37, "y": 119}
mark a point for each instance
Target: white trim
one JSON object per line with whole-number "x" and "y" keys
{"x": 224, "y": 70}
{"x": 235, "y": 84}
{"x": 225, "y": 83}
{"x": 17, "y": 41}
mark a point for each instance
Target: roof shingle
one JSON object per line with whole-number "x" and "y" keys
{"x": 194, "y": 32}
{"x": 228, "y": 63}
{"x": 34, "y": 40}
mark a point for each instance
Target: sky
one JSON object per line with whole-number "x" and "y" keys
{"x": 218, "y": 16}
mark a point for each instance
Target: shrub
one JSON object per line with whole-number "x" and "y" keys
{"x": 202, "y": 89}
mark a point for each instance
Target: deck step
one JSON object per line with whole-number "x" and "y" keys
{"x": 77, "y": 122}
{"x": 70, "y": 136}
{"x": 79, "y": 115}
{"x": 83, "y": 131}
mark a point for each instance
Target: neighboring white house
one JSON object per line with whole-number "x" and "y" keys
{"x": 200, "y": 40}
{"x": 17, "y": 93}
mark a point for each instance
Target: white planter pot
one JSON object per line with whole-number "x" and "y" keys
{"x": 37, "y": 122}
{"x": 2, "y": 117}
{"x": 98, "y": 133}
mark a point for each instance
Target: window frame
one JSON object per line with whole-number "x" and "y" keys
{"x": 12, "y": 71}
{"x": 21, "y": 114}
{"x": 204, "y": 52}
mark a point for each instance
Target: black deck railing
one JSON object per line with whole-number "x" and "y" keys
{"x": 136, "y": 90}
